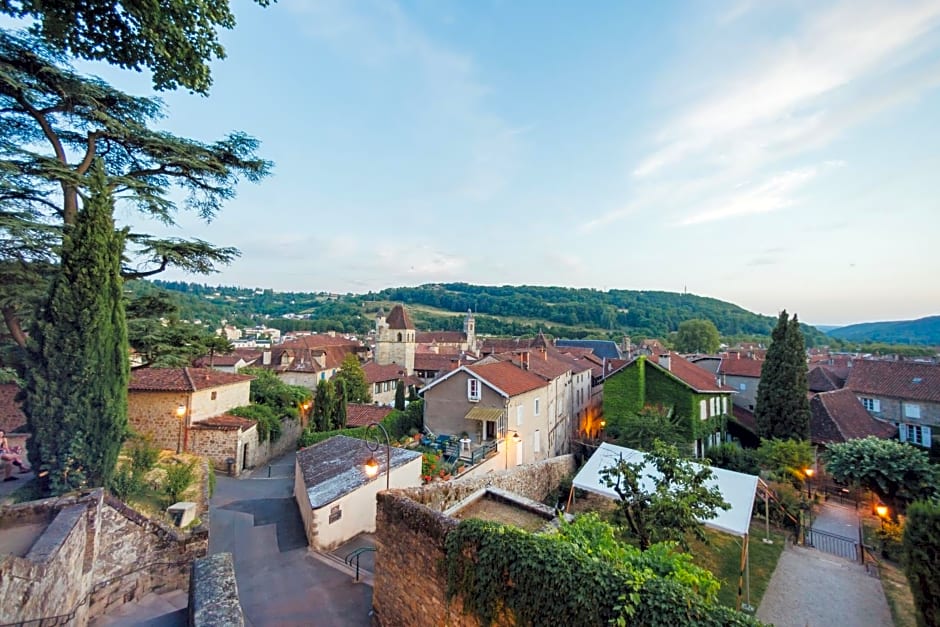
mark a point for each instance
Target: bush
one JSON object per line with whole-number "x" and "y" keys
{"x": 144, "y": 455}
{"x": 269, "y": 425}
{"x": 125, "y": 484}
{"x": 786, "y": 460}
{"x": 785, "y": 510}
{"x": 211, "y": 480}
{"x": 179, "y": 477}
{"x": 732, "y": 457}
{"x": 921, "y": 549}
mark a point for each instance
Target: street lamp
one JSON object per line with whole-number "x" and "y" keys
{"x": 372, "y": 464}
{"x": 809, "y": 482}
{"x": 603, "y": 423}
{"x": 882, "y": 511}
{"x": 180, "y": 415}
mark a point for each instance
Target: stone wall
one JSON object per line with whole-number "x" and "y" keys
{"x": 94, "y": 553}
{"x": 266, "y": 451}
{"x": 213, "y": 593}
{"x": 154, "y": 414}
{"x": 217, "y": 445}
{"x": 410, "y": 587}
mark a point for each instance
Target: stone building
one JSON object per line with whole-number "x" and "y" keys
{"x": 397, "y": 341}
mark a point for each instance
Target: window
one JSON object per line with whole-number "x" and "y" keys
{"x": 911, "y": 410}
{"x": 724, "y": 404}
{"x": 473, "y": 389}
{"x": 537, "y": 409}
{"x": 915, "y": 434}
{"x": 871, "y": 404}
{"x": 519, "y": 411}
{"x": 703, "y": 409}
{"x": 536, "y": 442}
{"x": 742, "y": 387}
{"x": 713, "y": 405}
{"x": 214, "y": 395}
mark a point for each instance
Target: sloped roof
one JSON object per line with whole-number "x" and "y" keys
{"x": 905, "y": 380}
{"x": 504, "y": 345}
{"x": 444, "y": 337}
{"x": 181, "y": 379}
{"x": 376, "y": 373}
{"x": 696, "y": 378}
{"x": 360, "y": 414}
{"x": 838, "y": 416}
{"x": 318, "y": 340}
{"x": 433, "y": 361}
{"x": 737, "y": 367}
{"x": 509, "y": 378}
{"x": 605, "y": 349}
{"x": 334, "y": 468}
{"x": 225, "y": 422}
{"x": 744, "y": 418}
{"x": 541, "y": 362}
{"x": 11, "y": 415}
{"x": 821, "y": 379}
{"x": 398, "y": 319}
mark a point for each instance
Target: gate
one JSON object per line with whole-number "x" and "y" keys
{"x": 833, "y": 544}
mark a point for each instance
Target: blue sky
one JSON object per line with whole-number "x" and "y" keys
{"x": 773, "y": 154}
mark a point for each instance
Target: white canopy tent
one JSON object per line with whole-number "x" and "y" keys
{"x": 737, "y": 489}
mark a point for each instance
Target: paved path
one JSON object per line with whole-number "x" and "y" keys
{"x": 837, "y": 520}
{"x": 279, "y": 581}
{"x": 811, "y": 588}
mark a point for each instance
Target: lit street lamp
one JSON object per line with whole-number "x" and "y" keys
{"x": 809, "y": 482}
{"x": 372, "y": 464}
{"x": 180, "y": 415}
{"x": 882, "y": 511}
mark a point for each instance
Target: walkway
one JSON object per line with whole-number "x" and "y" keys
{"x": 810, "y": 587}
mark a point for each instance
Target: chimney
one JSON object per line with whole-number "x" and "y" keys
{"x": 664, "y": 361}
{"x": 524, "y": 358}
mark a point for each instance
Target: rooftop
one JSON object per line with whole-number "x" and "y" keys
{"x": 181, "y": 379}
{"x": 906, "y": 380}
{"x": 838, "y": 416}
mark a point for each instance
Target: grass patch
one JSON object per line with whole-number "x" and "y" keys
{"x": 898, "y": 593}
{"x": 722, "y": 556}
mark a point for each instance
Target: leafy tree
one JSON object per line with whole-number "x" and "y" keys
{"x": 339, "y": 413}
{"x": 786, "y": 460}
{"x": 898, "y": 473}
{"x": 921, "y": 546}
{"x": 354, "y": 377}
{"x": 175, "y": 40}
{"x": 76, "y": 383}
{"x": 673, "y": 505}
{"x": 217, "y": 344}
{"x": 269, "y": 390}
{"x": 400, "y": 395}
{"x": 782, "y": 409}
{"x": 324, "y": 405}
{"x": 55, "y": 123}
{"x": 697, "y": 336}
{"x": 269, "y": 423}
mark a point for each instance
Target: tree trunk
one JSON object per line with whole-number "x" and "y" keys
{"x": 13, "y": 325}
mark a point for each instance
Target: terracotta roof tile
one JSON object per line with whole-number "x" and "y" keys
{"x": 736, "y": 367}
{"x": 509, "y": 378}
{"x": 398, "y": 318}
{"x": 696, "y": 378}
{"x": 545, "y": 363}
{"x": 744, "y": 418}
{"x": 376, "y": 373}
{"x": 360, "y": 414}
{"x": 181, "y": 379}
{"x": 822, "y": 379}
{"x": 906, "y": 380}
{"x": 443, "y": 337}
{"x": 838, "y": 416}
{"x": 225, "y": 422}
{"x": 435, "y": 362}
{"x": 11, "y": 416}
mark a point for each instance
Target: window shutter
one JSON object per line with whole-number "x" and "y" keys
{"x": 926, "y": 439}
{"x": 876, "y": 405}
{"x": 902, "y": 432}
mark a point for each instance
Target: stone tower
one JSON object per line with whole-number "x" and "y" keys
{"x": 395, "y": 339}
{"x": 470, "y": 330}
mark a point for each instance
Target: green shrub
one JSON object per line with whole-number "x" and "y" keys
{"x": 921, "y": 549}
{"x": 211, "y": 480}
{"x": 730, "y": 456}
{"x": 269, "y": 424}
{"x": 144, "y": 455}
{"x": 179, "y": 477}
{"x": 125, "y": 483}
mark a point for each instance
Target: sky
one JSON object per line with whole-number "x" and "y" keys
{"x": 772, "y": 154}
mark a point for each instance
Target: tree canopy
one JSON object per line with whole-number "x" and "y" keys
{"x": 697, "y": 336}
{"x": 921, "y": 545}
{"x": 782, "y": 408}
{"x": 898, "y": 473}
{"x": 679, "y": 501}
{"x": 354, "y": 378}
{"x": 175, "y": 40}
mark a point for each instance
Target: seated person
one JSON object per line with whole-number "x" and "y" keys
{"x": 11, "y": 455}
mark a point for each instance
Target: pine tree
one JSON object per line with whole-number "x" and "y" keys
{"x": 400, "y": 395}
{"x": 76, "y": 385}
{"x": 782, "y": 409}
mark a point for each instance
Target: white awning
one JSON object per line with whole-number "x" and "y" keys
{"x": 736, "y": 488}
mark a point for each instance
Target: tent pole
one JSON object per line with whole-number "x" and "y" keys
{"x": 741, "y": 576}
{"x": 747, "y": 569}
{"x": 570, "y": 500}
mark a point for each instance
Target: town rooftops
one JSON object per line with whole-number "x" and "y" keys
{"x": 181, "y": 379}
{"x": 361, "y": 414}
{"x": 398, "y": 319}
{"x": 376, "y": 373}
{"x": 906, "y": 380}
{"x": 334, "y": 468}
{"x": 605, "y": 349}
{"x": 442, "y": 337}
{"x": 740, "y": 367}
{"x": 696, "y": 378}
{"x": 503, "y": 377}
{"x": 838, "y": 416}
{"x": 225, "y": 422}
{"x": 822, "y": 379}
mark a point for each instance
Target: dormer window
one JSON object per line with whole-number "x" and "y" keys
{"x": 473, "y": 389}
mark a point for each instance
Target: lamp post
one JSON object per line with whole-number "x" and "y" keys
{"x": 372, "y": 464}
{"x": 809, "y": 483}
{"x": 882, "y": 511}
{"x": 515, "y": 438}
{"x": 180, "y": 415}
{"x": 603, "y": 424}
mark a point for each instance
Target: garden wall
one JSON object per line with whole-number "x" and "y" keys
{"x": 410, "y": 588}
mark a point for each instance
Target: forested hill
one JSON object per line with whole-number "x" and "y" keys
{"x": 921, "y": 331}
{"x": 500, "y": 310}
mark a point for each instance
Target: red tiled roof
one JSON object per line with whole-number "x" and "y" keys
{"x": 505, "y": 345}
{"x": 541, "y": 362}
{"x": 225, "y": 422}
{"x": 838, "y": 416}
{"x": 248, "y": 355}
{"x": 822, "y": 379}
{"x": 744, "y": 418}
{"x": 443, "y": 337}
{"x": 735, "y": 367}
{"x": 509, "y": 378}
{"x": 398, "y": 319}
{"x": 181, "y": 379}
{"x": 905, "y": 380}
{"x": 360, "y": 414}
{"x": 696, "y": 378}
{"x": 376, "y": 373}
{"x": 432, "y": 361}
{"x": 318, "y": 340}
{"x": 11, "y": 416}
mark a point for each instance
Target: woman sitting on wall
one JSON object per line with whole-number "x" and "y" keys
{"x": 11, "y": 454}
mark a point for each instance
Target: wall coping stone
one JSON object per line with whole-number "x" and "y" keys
{"x": 213, "y": 593}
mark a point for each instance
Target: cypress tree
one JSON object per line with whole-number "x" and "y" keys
{"x": 323, "y": 405}
{"x": 76, "y": 382}
{"x": 400, "y": 395}
{"x": 339, "y": 414}
{"x": 782, "y": 409}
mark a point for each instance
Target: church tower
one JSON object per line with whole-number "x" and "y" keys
{"x": 395, "y": 339}
{"x": 470, "y": 330}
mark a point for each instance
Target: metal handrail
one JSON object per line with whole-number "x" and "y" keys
{"x": 355, "y": 555}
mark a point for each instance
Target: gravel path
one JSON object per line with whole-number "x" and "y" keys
{"x": 811, "y": 588}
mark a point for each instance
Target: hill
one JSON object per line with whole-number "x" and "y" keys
{"x": 500, "y": 310}
{"x": 921, "y": 331}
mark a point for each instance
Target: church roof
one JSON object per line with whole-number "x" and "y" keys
{"x": 398, "y": 319}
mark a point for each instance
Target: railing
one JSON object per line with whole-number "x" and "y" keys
{"x": 354, "y": 557}
{"x": 833, "y": 544}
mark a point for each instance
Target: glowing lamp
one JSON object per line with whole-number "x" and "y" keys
{"x": 881, "y": 510}
{"x": 372, "y": 466}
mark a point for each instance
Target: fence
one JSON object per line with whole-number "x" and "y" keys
{"x": 833, "y": 544}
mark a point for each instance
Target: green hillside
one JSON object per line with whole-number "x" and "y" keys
{"x": 500, "y": 310}
{"x": 921, "y": 331}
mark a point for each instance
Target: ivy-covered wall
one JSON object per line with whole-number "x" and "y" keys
{"x": 642, "y": 383}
